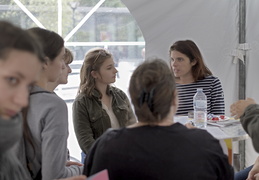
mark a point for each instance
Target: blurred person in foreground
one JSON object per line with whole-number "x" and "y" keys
{"x": 21, "y": 60}
{"x": 20, "y": 64}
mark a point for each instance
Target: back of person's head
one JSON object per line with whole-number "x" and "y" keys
{"x": 51, "y": 42}
{"x": 191, "y": 50}
{"x": 68, "y": 56}
{"x": 93, "y": 61}
{"x": 15, "y": 38}
{"x": 152, "y": 90}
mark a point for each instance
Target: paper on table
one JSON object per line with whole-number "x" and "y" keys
{"x": 217, "y": 132}
{"x": 181, "y": 119}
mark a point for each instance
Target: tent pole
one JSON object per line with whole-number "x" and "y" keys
{"x": 242, "y": 39}
{"x": 242, "y": 71}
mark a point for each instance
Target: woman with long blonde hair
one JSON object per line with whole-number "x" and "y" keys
{"x": 99, "y": 105}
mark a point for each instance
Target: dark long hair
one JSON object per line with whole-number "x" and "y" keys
{"x": 190, "y": 49}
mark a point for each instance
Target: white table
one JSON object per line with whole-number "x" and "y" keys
{"x": 234, "y": 132}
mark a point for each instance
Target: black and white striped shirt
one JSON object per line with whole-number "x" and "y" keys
{"x": 211, "y": 86}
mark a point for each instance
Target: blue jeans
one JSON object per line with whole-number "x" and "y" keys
{"x": 242, "y": 175}
{"x": 83, "y": 156}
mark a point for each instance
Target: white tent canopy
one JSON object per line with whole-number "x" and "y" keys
{"x": 214, "y": 26}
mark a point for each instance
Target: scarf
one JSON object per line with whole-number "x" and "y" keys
{"x": 10, "y": 134}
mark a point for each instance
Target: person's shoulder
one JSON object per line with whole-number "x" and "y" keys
{"x": 214, "y": 81}
{"x": 47, "y": 104}
{"x": 111, "y": 134}
{"x": 54, "y": 101}
{"x": 117, "y": 91}
{"x": 197, "y": 134}
{"x": 211, "y": 78}
{"x": 44, "y": 96}
{"x": 193, "y": 135}
{"x": 82, "y": 98}
{"x": 112, "y": 131}
{"x": 204, "y": 140}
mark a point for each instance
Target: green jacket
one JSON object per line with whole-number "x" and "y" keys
{"x": 250, "y": 122}
{"x": 91, "y": 120}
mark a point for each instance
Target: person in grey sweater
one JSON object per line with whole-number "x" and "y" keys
{"x": 48, "y": 122}
{"x": 20, "y": 63}
{"x": 47, "y": 117}
{"x": 21, "y": 59}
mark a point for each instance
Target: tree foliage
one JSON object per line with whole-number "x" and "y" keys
{"x": 101, "y": 26}
{"x": 46, "y": 11}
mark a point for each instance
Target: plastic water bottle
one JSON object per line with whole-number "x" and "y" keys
{"x": 200, "y": 109}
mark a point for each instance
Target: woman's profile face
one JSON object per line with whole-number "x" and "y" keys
{"x": 56, "y": 67}
{"x": 64, "y": 75}
{"x": 107, "y": 72}
{"x": 18, "y": 72}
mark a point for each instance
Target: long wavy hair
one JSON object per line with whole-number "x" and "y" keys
{"x": 93, "y": 60}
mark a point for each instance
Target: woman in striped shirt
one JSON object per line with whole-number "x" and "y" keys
{"x": 191, "y": 73}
